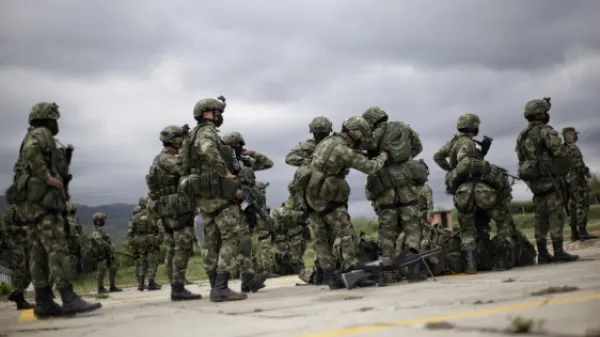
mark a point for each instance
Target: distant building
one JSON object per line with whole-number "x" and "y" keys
{"x": 443, "y": 217}
{"x": 6, "y": 275}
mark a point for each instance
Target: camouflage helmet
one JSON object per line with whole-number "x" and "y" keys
{"x": 233, "y": 137}
{"x": 173, "y": 134}
{"x": 208, "y": 104}
{"x": 536, "y": 106}
{"x": 357, "y": 127}
{"x": 98, "y": 216}
{"x": 374, "y": 114}
{"x": 44, "y": 110}
{"x": 320, "y": 124}
{"x": 468, "y": 121}
{"x": 143, "y": 201}
{"x": 71, "y": 207}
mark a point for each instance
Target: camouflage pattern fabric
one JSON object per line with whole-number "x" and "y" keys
{"x": 578, "y": 191}
{"x": 105, "y": 260}
{"x": 169, "y": 242}
{"x": 301, "y": 154}
{"x": 18, "y": 246}
{"x": 74, "y": 242}
{"x": 425, "y": 201}
{"x": 145, "y": 237}
{"x": 291, "y": 225}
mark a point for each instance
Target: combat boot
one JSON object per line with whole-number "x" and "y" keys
{"x": 152, "y": 285}
{"x": 574, "y": 234}
{"x": 298, "y": 268}
{"x": 73, "y": 304}
{"x": 559, "y": 253}
{"x": 45, "y": 307}
{"x": 221, "y": 291}
{"x": 19, "y": 298}
{"x": 179, "y": 293}
{"x": 470, "y": 262}
{"x": 212, "y": 277}
{"x": 253, "y": 283}
{"x": 102, "y": 290}
{"x": 141, "y": 283}
{"x": 319, "y": 276}
{"x": 584, "y": 235}
{"x": 114, "y": 289}
{"x": 544, "y": 256}
{"x": 333, "y": 279}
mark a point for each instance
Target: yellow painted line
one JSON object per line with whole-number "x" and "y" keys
{"x": 27, "y": 316}
{"x": 468, "y": 314}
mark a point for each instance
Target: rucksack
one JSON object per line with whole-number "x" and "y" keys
{"x": 396, "y": 142}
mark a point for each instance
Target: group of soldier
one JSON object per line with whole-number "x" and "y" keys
{"x": 199, "y": 173}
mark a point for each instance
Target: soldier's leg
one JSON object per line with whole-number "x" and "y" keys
{"x": 503, "y": 242}
{"x": 572, "y": 210}
{"x": 140, "y": 260}
{"x": 101, "y": 268}
{"x": 211, "y": 248}
{"x": 170, "y": 243}
{"x": 21, "y": 275}
{"x": 184, "y": 241}
{"x": 152, "y": 258}
{"x": 583, "y": 208}
{"x": 542, "y": 227}
{"x": 554, "y": 206}
{"x": 410, "y": 221}
{"x": 338, "y": 222}
{"x": 251, "y": 281}
{"x": 264, "y": 254}
{"x": 112, "y": 275}
{"x": 467, "y": 237}
{"x": 51, "y": 236}
{"x": 297, "y": 247}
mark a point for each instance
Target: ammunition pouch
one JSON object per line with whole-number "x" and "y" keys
{"x": 472, "y": 168}
{"x": 173, "y": 205}
{"x": 560, "y": 166}
{"x": 452, "y": 182}
{"x": 209, "y": 185}
{"x": 325, "y": 189}
{"x": 32, "y": 189}
{"x": 396, "y": 175}
{"x": 529, "y": 170}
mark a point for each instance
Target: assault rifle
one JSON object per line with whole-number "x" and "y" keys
{"x": 251, "y": 208}
{"x": 66, "y": 154}
{"x": 406, "y": 258}
{"x": 485, "y": 144}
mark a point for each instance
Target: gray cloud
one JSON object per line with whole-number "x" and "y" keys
{"x": 122, "y": 71}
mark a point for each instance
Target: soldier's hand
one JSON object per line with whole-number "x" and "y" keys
{"x": 247, "y": 152}
{"x": 229, "y": 176}
{"x": 239, "y": 195}
{"x": 56, "y": 183}
{"x": 384, "y": 155}
{"x": 590, "y": 182}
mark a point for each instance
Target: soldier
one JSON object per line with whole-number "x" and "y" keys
{"x": 40, "y": 196}
{"x": 293, "y": 225}
{"x": 102, "y": 246}
{"x": 17, "y": 233}
{"x": 74, "y": 238}
{"x": 426, "y": 203}
{"x": 475, "y": 190}
{"x": 266, "y": 236}
{"x": 320, "y": 127}
{"x": 543, "y": 161}
{"x": 578, "y": 181}
{"x": 395, "y": 199}
{"x": 144, "y": 239}
{"x": 173, "y": 208}
{"x": 327, "y": 192}
{"x": 209, "y": 164}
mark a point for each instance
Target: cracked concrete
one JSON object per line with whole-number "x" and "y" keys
{"x": 567, "y": 299}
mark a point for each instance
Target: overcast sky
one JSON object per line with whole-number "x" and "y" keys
{"x": 122, "y": 70}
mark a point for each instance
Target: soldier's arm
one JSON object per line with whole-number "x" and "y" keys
{"x": 577, "y": 161}
{"x": 429, "y": 196}
{"x": 520, "y": 157}
{"x": 440, "y": 157}
{"x": 208, "y": 145}
{"x": 357, "y": 160}
{"x": 261, "y": 162}
{"x": 298, "y": 155}
{"x": 466, "y": 150}
{"x": 416, "y": 144}
{"x": 130, "y": 229}
{"x": 553, "y": 142}
{"x": 32, "y": 156}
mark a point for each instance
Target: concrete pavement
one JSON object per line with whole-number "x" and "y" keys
{"x": 459, "y": 305}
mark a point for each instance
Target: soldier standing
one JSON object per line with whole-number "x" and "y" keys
{"x": 173, "y": 208}
{"x": 40, "y": 196}
{"x": 293, "y": 226}
{"x": 103, "y": 249}
{"x": 543, "y": 161}
{"x": 426, "y": 203}
{"x": 74, "y": 238}
{"x": 579, "y": 182}
{"x": 17, "y": 233}
{"x": 144, "y": 240}
{"x": 327, "y": 192}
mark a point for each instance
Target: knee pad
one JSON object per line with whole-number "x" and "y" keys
{"x": 245, "y": 245}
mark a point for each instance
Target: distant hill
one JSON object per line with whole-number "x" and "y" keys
{"x": 117, "y": 217}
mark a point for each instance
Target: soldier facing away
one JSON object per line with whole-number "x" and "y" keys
{"x": 579, "y": 180}
{"x": 293, "y": 227}
{"x": 209, "y": 164}
{"x": 543, "y": 162}
{"x": 320, "y": 127}
{"x": 144, "y": 238}
{"x": 40, "y": 196}
{"x": 103, "y": 250}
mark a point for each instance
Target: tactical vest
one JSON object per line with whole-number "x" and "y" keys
{"x": 163, "y": 185}
{"x": 142, "y": 221}
{"x": 160, "y": 182}
{"x": 542, "y": 164}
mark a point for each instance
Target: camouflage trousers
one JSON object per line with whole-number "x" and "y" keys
{"x": 398, "y": 212}
{"x": 264, "y": 252}
{"x": 146, "y": 264}
{"x": 222, "y": 235}
{"x": 579, "y": 204}
{"x": 183, "y": 239}
{"x": 74, "y": 262}
{"x": 170, "y": 243}
{"x": 296, "y": 243}
{"x": 20, "y": 265}
{"x": 107, "y": 263}
{"x": 331, "y": 229}
{"x": 550, "y": 216}
{"x": 245, "y": 265}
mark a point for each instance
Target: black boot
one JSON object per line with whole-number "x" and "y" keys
{"x": 19, "y": 298}
{"x": 559, "y": 253}
{"x": 152, "y": 285}
{"x": 45, "y": 307}
{"x": 212, "y": 277}
{"x": 298, "y": 268}
{"x": 333, "y": 279}
{"x": 319, "y": 276}
{"x": 544, "y": 256}
{"x": 73, "y": 304}
{"x": 141, "y": 283}
{"x": 114, "y": 289}
{"x": 221, "y": 291}
{"x": 470, "y": 262}
{"x": 179, "y": 293}
{"x": 253, "y": 283}
{"x": 102, "y": 290}
{"x": 574, "y": 234}
{"x": 584, "y": 235}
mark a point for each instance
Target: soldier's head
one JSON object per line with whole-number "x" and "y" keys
{"x": 236, "y": 141}
{"x": 143, "y": 201}
{"x": 375, "y": 116}
{"x": 99, "y": 219}
{"x": 357, "y": 129}
{"x": 45, "y": 115}
{"x": 570, "y": 135}
{"x": 209, "y": 110}
{"x": 468, "y": 124}
{"x": 320, "y": 127}
{"x": 172, "y": 137}
{"x": 71, "y": 209}
{"x": 538, "y": 110}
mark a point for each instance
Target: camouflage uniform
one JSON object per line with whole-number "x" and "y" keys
{"x": 578, "y": 190}
{"x": 74, "y": 238}
{"x": 170, "y": 244}
{"x": 103, "y": 250}
{"x": 210, "y": 164}
{"x": 40, "y": 198}
{"x": 292, "y": 225}
{"x": 144, "y": 238}
{"x": 18, "y": 246}
{"x": 265, "y": 261}
{"x": 468, "y": 180}
{"x": 425, "y": 202}
{"x": 396, "y": 203}
{"x": 327, "y": 193}
{"x": 543, "y": 161}
{"x": 174, "y": 208}
{"x": 247, "y": 163}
